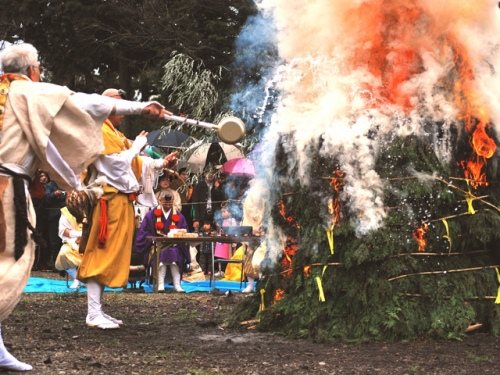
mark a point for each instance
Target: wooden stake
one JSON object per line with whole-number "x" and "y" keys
{"x": 435, "y": 254}
{"x": 446, "y": 297}
{"x": 442, "y": 272}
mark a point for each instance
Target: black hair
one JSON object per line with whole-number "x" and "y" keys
{"x": 170, "y": 178}
{"x": 208, "y": 221}
{"x": 167, "y": 197}
{"x": 39, "y": 172}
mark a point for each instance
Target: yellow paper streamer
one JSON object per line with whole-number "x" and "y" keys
{"x": 497, "y": 301}
{"x": 329, "y": 234}
{"x": 469, "y": 199}
{"x": 320, "y": 287}
{"x": 324, "y": 269}
{"x": 447, "y": 233}
{"x": 262, "y": 291}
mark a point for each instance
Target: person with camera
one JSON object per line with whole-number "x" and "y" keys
{"x": 159, "y": 222}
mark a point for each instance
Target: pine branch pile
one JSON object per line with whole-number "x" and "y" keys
{"x": 380, "y": 286}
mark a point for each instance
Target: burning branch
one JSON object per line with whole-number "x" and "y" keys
{"x": 419, "y": 236}
{"x": 334, "y": 205}
{"x": 474, "y": 113}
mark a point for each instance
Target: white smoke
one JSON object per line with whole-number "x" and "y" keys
{"x": 357, "y": 73}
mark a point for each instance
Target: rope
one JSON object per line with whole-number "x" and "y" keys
{"x": 103, "y": 225}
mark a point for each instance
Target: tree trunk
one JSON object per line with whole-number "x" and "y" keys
{"x": 126, "y": 84}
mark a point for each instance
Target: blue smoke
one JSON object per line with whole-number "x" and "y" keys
{"x": 255, "y": 65}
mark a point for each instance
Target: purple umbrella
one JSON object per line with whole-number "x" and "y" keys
{"x": 239, "y": 167}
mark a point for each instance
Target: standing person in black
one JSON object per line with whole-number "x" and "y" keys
{"x": 53, "y": 201}
{"x": 207, "y": 199}
{"x": 181, "y": 185}
{"x": 42, "y": 256}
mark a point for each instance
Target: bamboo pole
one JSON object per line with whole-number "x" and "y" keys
{"x": 442, "y": 272}
{"x": 446, "y": 297}
{"x": 468, "y": 179}
{"x": 466, "y": 192}
{"x": 310, "y": 265}
{"x": 435, "y": 254}
{"x": 451, "y": 217}
{"x": 462, "y": 201}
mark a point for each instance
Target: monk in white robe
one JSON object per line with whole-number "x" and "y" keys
{"x": 42, "y": 126}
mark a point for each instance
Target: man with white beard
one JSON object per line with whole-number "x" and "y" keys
{"x": 42, "y": 126}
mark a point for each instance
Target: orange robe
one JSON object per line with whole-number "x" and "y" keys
{"x": 110, "y": 266}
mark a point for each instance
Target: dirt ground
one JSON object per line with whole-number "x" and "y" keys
{"x": 183, "y": 334}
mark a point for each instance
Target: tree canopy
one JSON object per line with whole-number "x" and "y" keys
{"x": 95, "y": 44}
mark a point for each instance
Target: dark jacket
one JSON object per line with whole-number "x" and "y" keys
{"x": 51, "y": 203}
{"x": 200, "y": 199}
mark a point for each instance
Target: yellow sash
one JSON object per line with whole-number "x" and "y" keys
{"x": 115, "y": 142}
{"x": 71, "y": 219}
{"x": 5, "y": 82}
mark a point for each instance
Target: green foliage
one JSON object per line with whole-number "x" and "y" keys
{"x": 380, "y": 290}
{"x": 93, "y": 45}
{"x": 189, "y": 87}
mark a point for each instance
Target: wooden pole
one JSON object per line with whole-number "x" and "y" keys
{"x": 442, "y": 272}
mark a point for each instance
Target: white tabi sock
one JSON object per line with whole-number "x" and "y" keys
{"x": 176, "y": 276}
{"x": 94, "y": 295}
{"x": 162, "y": 272}
{"x": 95, "y": 316}
{"x": 249, "y": 288}
{"x": 76, "y": 283}
{"x": 8, "y": 361}
{"x": 72, "y": 272}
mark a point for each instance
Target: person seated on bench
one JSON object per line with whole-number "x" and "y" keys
{"x": 159, "y": 222}
{"x": 69, "y": 258}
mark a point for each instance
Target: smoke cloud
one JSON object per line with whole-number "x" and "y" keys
{"x": 357, "y": 73}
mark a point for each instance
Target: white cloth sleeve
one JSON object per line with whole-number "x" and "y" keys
{"x": 63, "y": 225}
{"x": 126, "y": 107}
{"x": 130, "y": 154}
{"x": 75, "y": 233}
{"x": 59, "y": 164}
{"x": 117, "y": 170}
{"x": 151, "y": 169}
{"x": 100, "y": 107}
{"x": 140, "y": 142}
{"x": 177, "y": 201}
{"x": 97, "y": 106}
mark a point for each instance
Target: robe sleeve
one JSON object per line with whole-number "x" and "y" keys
{"x": 142, "y": 244}
{"x": 177, "y": 201}
{"x": 184, "y": 248}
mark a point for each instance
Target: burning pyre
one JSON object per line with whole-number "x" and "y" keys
{"x": 399, "y": 99}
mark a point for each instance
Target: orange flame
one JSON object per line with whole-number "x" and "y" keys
{"x": 333, "y": 205}
{"x": 388, "y": 55}
{"x": 307, "y": 271}
{"x": 278, "y": 295}
{"x": 289, "y": 252}
{"x": 419, "y": 236}
{"x": 289, "y": 219}
{"x": 472, "y": 112}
